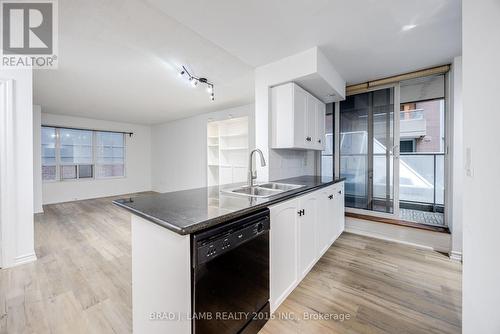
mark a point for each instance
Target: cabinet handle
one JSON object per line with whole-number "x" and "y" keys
{"x": 340, "y": 192}
{"x": 301, "y": 212}
{"x": 308, "y": 138}
{"x": 319, "y": 141}
{"x": 330, "y": 197}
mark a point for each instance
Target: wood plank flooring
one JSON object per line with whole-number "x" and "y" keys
{"x": 81, "y": 282}
{"x": 384, "y": 287}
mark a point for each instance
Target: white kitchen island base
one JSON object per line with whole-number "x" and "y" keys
{"x": 161, "y": 279}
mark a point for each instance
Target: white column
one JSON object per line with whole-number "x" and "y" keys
{"x": 481, "y": 222}
{"x": 16, "y": 167}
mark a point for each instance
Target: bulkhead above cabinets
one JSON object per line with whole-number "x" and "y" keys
{"x": 298, "y": 119}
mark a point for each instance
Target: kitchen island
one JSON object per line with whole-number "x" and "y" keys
{"x": 164, "y": 227}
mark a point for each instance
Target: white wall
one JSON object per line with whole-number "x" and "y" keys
{"x": 455, "y": 216}
{"x": 16, "y": 167}
{"x": 37, "y": 160}
{"x": 179, "y": 149}
{"x": 481, "y": 222}
{"x": 137, "y": 163}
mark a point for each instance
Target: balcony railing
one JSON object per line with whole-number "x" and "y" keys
{"x": 411, "y": 114}
{"x": 421, "y": 178}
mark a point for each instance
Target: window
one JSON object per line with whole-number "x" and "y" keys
{"x": 49, "y": 169}
{"x": 75, "y": 151}
{"x": 72, "y": 154}
{"x": 110, "y": 154}
{"x": 407, "y": 146}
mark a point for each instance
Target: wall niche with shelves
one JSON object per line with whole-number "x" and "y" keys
{"x": 227, "y": 151}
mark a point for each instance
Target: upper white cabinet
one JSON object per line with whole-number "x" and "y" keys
{"x": 298, "y": 118}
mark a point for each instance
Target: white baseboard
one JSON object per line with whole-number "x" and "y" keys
{"x": 23, "y": 259}
{"x": 385, "y": 238}
{"x": 401, "y": 234}
{"x": 456, "y": 256}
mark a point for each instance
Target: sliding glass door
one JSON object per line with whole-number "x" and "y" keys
{"x": 367, "y": 150}
{"x": 390, "y": 145}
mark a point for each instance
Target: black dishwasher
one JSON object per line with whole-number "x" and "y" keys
{"x": 230, "y": 276}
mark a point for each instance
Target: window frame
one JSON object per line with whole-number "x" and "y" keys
{"x": 93, "y": 163}
{"x": 334, "y": 140}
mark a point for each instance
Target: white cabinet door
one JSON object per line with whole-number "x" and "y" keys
{"x": 283, "y": 257}
{"x": 326, "y": 219}
{"x": 332, "y": 214}
{"x": 300, "y": 117}
{"x": 308, "y": 250}
{"x": 311, "y": 120}
{"x": 339, "y": 209}
{"x": 320, "y": 123}
{"x": 297, "y": 118}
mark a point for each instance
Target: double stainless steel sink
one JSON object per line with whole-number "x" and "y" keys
{"x": 263, "y": 190}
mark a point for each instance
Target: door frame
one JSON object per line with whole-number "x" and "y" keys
{"x": 394, "y": 150}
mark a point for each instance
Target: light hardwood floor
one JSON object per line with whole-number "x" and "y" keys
{"x": 384, "y": 287}
{"x": 81, "y": 282}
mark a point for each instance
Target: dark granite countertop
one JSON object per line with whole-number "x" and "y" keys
{"x": 193, "y": 210}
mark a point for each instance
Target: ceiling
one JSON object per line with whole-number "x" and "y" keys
{"x": 119, "y": 58}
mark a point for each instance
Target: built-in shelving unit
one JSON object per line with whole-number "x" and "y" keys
{"x": 227, "y": 151}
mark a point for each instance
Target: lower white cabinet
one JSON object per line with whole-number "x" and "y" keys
{"x": 283, "y": 249}
{"x": 326, "y": 216}
{"x": 302, "y": 230}
{"x": 331, "y": 219}
{"x": 307, "y": 234}
{"x": 339, "y": 209}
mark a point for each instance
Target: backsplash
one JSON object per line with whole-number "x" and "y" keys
{"x": 291, "y": 163}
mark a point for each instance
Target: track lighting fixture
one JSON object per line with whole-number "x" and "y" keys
{"x": 194, "y": 80}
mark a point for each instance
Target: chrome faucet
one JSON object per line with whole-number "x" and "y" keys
{"x": 252, "y": 175}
